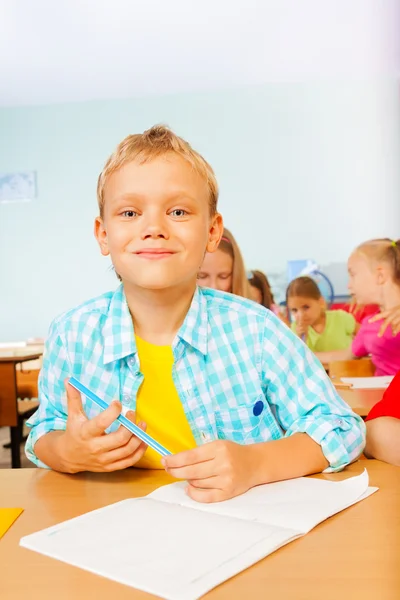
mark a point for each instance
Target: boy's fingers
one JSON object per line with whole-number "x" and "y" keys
{"x": 119, "y": 438}
{"x": 204, "y": 471}
{"x": 74, "y": 401}
{"x": 123, "y": 452}
{"x": 205, "y": 495}
{"x": 125, "y": 463}
{"x": 97, "y": 426}
{"x": 186, "y": 458}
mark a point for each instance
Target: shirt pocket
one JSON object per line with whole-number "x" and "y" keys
{"x": 242, "y": 423}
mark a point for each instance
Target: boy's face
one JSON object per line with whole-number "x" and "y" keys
{"x": 156, "y": 223}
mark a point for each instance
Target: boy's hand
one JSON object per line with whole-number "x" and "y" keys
{"x": 216, "y": 471}
{"x": 85, "y": 447}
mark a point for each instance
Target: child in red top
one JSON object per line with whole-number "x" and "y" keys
{"x": 383, "y": 426}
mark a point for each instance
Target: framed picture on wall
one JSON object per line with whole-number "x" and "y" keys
{"x": 18, "y": 187}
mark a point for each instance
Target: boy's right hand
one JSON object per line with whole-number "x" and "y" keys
{"x": 84, "y": 446}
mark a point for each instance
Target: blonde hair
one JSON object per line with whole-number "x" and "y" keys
{"x": 153, "y": 143}
{"x": 240, "y": 283}
{"x": 383, "y": 250}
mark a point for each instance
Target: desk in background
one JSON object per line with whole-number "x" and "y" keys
{"x": 361, "y": 401}
{"x": 9, "y": 411}
{"x": 354, "y": 555}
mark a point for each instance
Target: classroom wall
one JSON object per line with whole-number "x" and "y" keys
{"x": 305, "y": 170}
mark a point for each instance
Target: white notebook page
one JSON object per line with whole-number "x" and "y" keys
{"x": 177, "y": 549}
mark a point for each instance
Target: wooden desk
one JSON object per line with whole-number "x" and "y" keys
{"x": 361, "y": 401}
{"x": 354, "y": 555}
{"x": 9, "y": 399}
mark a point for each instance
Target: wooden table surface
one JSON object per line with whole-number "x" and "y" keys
{"x": 354, "y": 555}
{"x": 361, "y": 401}
{"x": 17, "y": 358}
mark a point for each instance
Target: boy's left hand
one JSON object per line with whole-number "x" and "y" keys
{"x": 215, "y": 471}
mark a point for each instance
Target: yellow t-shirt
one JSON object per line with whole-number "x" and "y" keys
{"x": 158, "y": 404}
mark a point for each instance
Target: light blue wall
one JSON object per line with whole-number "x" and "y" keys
{"x": 305, "y": 170}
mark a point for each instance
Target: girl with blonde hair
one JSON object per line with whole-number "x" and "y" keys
{"x": 374, "y": 278}
{"x": 224, "y": 269}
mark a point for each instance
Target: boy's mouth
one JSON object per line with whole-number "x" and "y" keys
{"x": 154, "y": 253}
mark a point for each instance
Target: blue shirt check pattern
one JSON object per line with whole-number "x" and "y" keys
{"x": 230, "y": 356}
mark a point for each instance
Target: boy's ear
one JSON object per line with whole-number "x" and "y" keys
{"x": 101, "y": 236}
{"x": 215, "y": 233}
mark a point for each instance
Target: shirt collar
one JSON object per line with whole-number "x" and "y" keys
{"x": 118, "y": 334}
{"x": 119, "y": 337}
{"x": 195, "y": 326}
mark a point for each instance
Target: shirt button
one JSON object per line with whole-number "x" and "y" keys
{"x": 258, "y": 408}
{"x": 126, "y": 399}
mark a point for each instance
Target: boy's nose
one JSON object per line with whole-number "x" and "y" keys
{"x": 154, "y": 228}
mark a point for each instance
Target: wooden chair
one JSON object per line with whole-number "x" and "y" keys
{"x": 27, "y": 383}
{"x": 27, "y": 387}
{"x": 362, "y": 367}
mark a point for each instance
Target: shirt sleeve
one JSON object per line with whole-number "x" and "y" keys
{"x": 358, "y": 345}
{"x": 52, "y": 412}
{"x": 389, "y": 406}
{"x": 306, "y": 401}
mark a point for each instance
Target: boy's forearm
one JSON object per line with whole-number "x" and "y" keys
{"x": 383, "y": 440}
{"x": 287, "y": 458}
{"x": 49, "y": 450}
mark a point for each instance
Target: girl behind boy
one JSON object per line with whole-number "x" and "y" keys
{"x": 322, "y": 330}
{"x": 261, "y": 290}
{"x": 224, "y": 269}
{"x": 374, "y": 278}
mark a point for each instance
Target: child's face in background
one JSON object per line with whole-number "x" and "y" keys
{"x": 216, "y": 271}
{"x": 305, "y": 311}
{"x": 363, "y": 280}
{"x": 156, "y": 224}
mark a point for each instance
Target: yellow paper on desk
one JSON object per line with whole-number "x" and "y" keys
{"x": 7, "y": 518}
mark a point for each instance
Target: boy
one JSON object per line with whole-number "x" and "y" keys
{"x": 216, "y": 379}
{"x": 383, "y": 426}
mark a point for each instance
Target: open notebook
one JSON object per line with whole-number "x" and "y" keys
{"x": 168, "y": 545}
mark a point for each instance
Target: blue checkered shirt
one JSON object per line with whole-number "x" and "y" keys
{"x": 240, "y": 374}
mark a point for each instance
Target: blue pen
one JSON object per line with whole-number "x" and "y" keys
{"x": 142, "y": 435}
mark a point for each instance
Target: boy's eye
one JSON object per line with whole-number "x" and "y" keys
{"x": 129, "y": 213}
{"x": 178, "y": 212}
